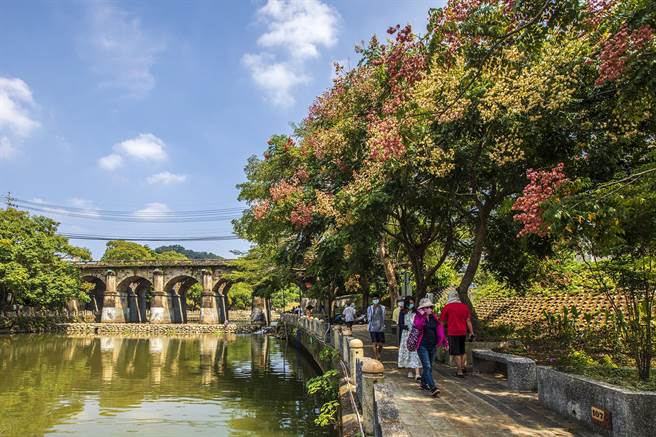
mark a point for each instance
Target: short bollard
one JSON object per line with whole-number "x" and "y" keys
{"x": 357, "y": 351}
{"x": 336, "y": 335}
{"x": 346, "y": 352}
{"x": 372, "y": 373}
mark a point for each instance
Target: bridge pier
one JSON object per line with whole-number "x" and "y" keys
{"x": 112, "y": 311}
{"x": 209, "y": 314}
{"x": 159, "y": 308}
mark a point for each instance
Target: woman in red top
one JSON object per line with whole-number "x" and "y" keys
{"x": 457, "y": 319}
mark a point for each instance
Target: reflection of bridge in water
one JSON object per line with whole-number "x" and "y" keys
{"x": 156, "y": 291}
{"x": 207, "y": 385}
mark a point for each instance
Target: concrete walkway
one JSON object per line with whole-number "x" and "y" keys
{"x": 478, "y": 405}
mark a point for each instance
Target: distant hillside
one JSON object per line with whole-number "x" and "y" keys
{"x": 191, "y": 254}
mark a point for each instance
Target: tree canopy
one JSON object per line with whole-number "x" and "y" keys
{"x": 424, "y": 148}
{"x": 35, "y": 267}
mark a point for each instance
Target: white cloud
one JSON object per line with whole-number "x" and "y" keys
{"x": 84, "y": 206}
{"x": 166, "y": 178}
{"x": 144, "y": 147}
{"x": 297, "y": 29}
{"x": 16, "y": 122}
{"x": 6, "y": 149}
{"x": 152, "y": 210}
{"x": 120, "y": 50}
{"x": 299, "y": 26}
{"x": 276, "y": 78}
{"x": 111, "y": 162}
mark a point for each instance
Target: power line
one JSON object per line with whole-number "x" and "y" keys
{"x": 207, "y": 215}
{"x": 151, "y": 238}
{"x": 56, "y": 207}
{"x": 136, "y": 217}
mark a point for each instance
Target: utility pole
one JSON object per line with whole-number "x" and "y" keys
{"x": 10, "y": 200}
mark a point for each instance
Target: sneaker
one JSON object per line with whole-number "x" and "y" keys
{"x": 435, "y": 392}
{"x": 425, "y": 387}
{"x": 410, "y": 374}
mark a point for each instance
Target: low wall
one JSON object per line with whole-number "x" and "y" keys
{"x": 619, "y": 412}
{"x": 148, "y": 329}
{"x": 442, "y": 355}
{"x": 31, "y": 320}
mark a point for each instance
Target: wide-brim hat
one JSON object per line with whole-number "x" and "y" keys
{"x": 425, "y": 303}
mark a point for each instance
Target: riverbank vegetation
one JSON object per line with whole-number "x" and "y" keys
{"x": 511, "y": 142}
{"x": 35, "y": 268}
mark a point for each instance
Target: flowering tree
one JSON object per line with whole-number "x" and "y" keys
{"x": 430, "y": 136}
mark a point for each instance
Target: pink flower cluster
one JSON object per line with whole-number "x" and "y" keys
{"x": 260, "y": 210}
{"x": 405, "y": 63}
{"x": 301, "y": 215}
{"x": 283, "y": 190}
{"x": 301, "y": 175}
{"x": 385, "y": 141}
{"x": 543, "y": 185}
{"x": 616, "y": 50}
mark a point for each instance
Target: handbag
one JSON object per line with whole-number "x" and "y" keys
{"x": 413, "y": 340}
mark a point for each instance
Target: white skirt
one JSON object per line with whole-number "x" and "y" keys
{"x": 407, "y": 359}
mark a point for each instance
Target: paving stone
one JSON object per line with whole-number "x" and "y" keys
{"x": 478, "y": 405}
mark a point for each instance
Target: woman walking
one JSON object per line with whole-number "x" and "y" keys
{"x": 407, "y": 359}
{"x": 431, "y": 335}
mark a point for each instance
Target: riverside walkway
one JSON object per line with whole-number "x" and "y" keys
{"x": 478, "y": 405}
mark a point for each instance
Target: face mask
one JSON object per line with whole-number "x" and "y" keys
{"x": 376, "y": 301}
{"x": 352, "y": 305}
{"x": 411, "y": 305}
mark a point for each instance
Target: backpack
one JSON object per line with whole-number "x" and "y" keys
{"x": 413, "y": 340}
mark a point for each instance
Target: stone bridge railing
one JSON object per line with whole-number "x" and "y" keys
{"x": 366, "y": 380}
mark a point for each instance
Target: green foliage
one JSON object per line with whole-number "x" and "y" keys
{"x": 118, "y": 250}
{"x": 194, "y": 296}
{"x": 34, "y": 261}
{"x": 188, "y": 253}
{"x": 604, "y": 369}
{"x": 240, "y": 296}
{"x": 171, "y": 255}
{"x": 326, "y": 388}
{"x": 328, "y": 414}
{"x": 286, "y": 298}
{"x": 328, "y": 355}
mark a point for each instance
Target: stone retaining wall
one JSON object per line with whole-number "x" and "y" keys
{"x": 148, "y": 329}
{"x": 626, "y": 412}
{"x": 364, "y": 377}
{"x": 525, "y": 310}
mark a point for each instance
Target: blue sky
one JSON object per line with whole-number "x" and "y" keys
{"x": 156, "y": 105}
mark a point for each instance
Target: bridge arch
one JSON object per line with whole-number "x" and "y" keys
{"x": 96, "y": 294}
{"x": 137, "y": 292}
{"x": 176, "y": 289}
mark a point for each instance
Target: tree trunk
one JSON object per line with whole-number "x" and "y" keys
{"x": 390, "y": 271}
{"x": 475, "y": 258}
{"x": 419, "y": 272}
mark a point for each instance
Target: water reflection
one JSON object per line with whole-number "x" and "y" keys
{"x": 232, "y": 386}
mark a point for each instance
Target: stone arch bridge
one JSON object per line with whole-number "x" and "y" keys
{"x": 125, "y": 291}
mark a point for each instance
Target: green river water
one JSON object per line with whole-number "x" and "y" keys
{"x": 104, "y": 386}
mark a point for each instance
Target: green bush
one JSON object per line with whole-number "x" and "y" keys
{"x": 240, "y": 296}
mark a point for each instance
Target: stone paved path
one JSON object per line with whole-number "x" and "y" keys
{"x": 478, "y": 405}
